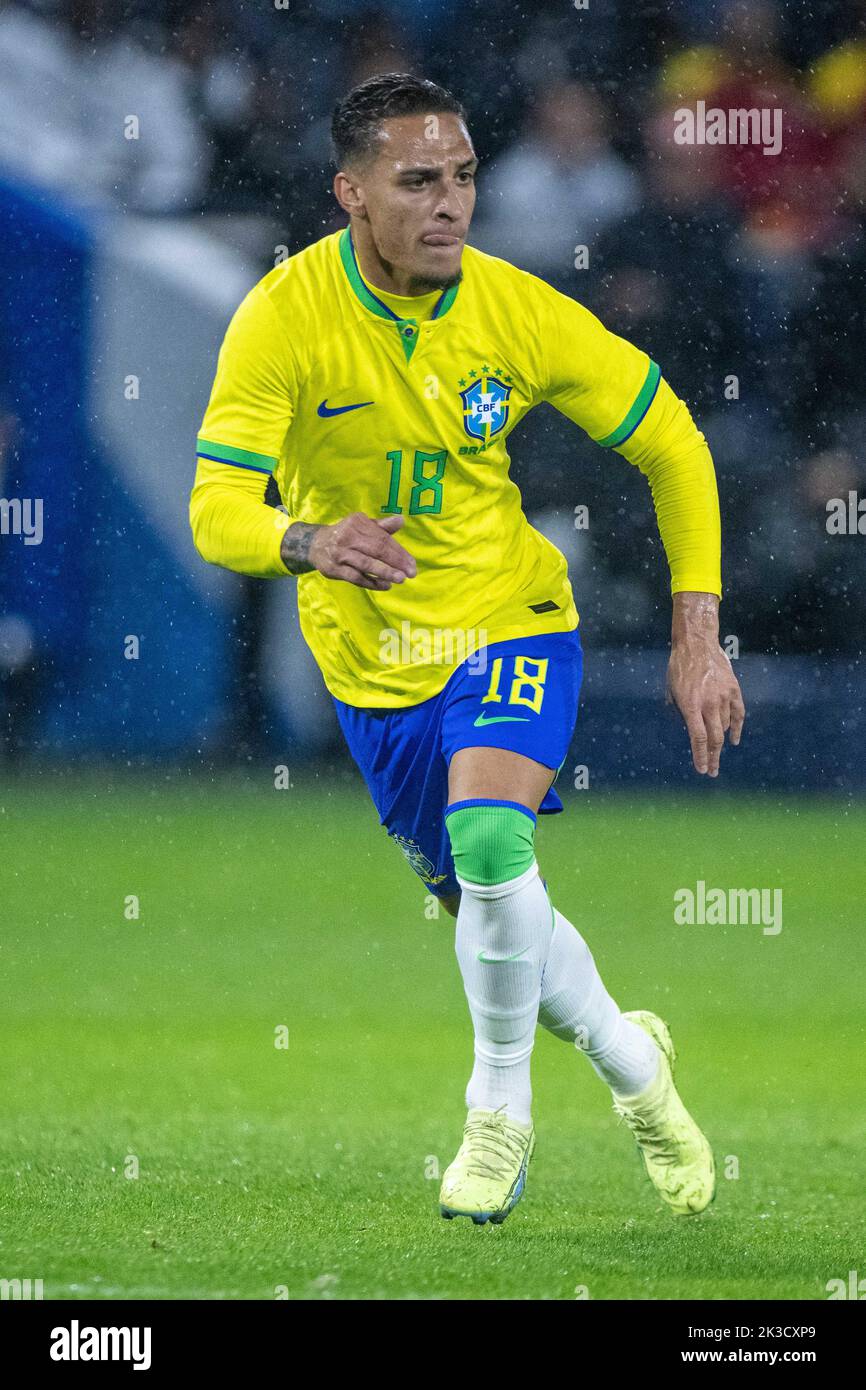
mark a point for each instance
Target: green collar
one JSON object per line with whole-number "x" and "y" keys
{"x": 407, "y": 328}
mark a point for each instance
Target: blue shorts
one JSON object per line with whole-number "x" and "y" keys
{"x": 521, "y": 694}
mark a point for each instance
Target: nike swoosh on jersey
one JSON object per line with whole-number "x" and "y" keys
{"x": 326, "y": 410}
{"x": 499, "y": 719}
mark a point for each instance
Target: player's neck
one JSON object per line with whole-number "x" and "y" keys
{"x": 383, "y": 275}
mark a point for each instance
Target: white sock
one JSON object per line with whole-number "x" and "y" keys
{"x": 576, "y": 1007}
{"x": 506, "y": 919}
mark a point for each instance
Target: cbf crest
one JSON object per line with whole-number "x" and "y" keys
{"x": 418, "y": 860}
{"x": 485, "y": 402}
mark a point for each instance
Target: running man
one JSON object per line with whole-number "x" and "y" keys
{"x": 376, "y": 376}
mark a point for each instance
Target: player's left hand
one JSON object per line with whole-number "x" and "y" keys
{"x": 701, "y": 682}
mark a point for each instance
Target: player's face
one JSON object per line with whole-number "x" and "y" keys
{"x": 418, "y": 195}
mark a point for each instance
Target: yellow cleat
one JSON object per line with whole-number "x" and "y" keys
{"x": 488, "y": 1175}
{"x": 676, "y": 1155}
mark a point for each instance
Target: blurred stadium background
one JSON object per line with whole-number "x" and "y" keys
{"x": 124, "y": 258}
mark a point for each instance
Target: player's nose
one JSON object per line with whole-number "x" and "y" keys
{"x": 450, "y": 205}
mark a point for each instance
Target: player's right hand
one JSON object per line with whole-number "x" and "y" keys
{"x": 360, "y": 550}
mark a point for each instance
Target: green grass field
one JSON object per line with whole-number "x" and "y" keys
{"x": 309, "y": 1167}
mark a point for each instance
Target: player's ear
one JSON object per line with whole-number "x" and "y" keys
{"x": 348, "y": 195}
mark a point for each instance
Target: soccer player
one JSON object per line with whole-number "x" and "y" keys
{"x": 376, "y": 375}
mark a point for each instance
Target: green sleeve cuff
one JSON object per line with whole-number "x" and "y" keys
{"x": 644, "y": 400}
{"x": 241, "y": 458}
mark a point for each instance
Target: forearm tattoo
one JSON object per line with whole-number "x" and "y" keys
{"x": 295, "y": 547}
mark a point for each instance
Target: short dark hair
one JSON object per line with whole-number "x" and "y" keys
{"x": 357, "y": 119}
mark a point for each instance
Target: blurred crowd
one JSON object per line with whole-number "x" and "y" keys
{"x": 743, "y": 274}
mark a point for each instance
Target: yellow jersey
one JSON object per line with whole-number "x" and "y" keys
{"x": 358, "y": 400}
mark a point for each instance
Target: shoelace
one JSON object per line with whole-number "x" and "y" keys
{"x": 492, "y": 1137}
{"x": 662, "y": 1147}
